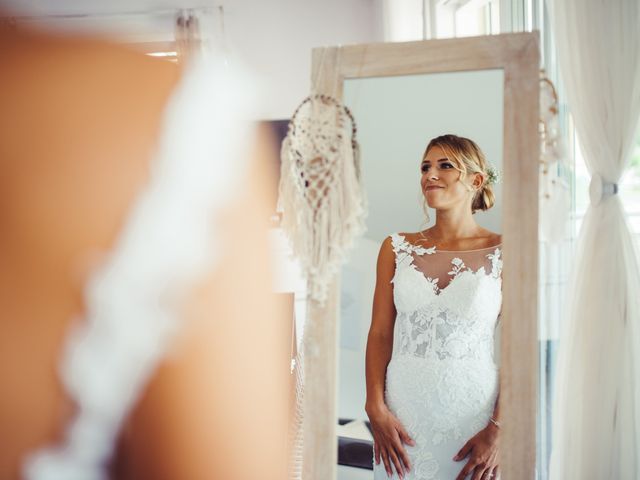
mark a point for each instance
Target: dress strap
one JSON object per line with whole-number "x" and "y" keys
{"x": 398, "y": 242}
{"x": 401, "y": 244}
{"x": 496, "y": 262}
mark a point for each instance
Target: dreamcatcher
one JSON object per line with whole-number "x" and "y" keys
{"x": 321, "y": 196}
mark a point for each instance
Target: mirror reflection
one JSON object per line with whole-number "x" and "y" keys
{"x": 421, "y": 291}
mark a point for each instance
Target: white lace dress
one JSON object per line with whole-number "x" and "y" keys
{"x": 442, "y": 380}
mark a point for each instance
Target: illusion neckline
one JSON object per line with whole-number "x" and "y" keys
{"x": 435, "y": 249}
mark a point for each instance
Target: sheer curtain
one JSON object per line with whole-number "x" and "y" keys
{"x": 596, "y": 424}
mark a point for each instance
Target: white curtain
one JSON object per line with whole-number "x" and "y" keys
{"x": 596, "y": 415}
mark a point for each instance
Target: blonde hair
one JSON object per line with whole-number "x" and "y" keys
{"x": 467, "y": 158}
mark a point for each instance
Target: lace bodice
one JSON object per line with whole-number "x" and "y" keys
{"x": 448, "y": 302}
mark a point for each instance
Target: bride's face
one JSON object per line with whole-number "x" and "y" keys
{"x": 441, "y": 182}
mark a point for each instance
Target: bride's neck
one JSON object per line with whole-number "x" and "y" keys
{"x": 454, "y": 225}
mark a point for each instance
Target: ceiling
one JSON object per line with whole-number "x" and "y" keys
{"x": 135, "y": 21}
{"x": 99, "y": 7}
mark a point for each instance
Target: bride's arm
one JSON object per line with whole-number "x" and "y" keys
{"x": 389, "y": 434}
{"x": 496, "y": 411}
{"x": 380, "y": 339}
{"x": 483, "y": 451}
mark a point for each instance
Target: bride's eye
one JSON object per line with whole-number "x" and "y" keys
{"x": 446, "y": 165}
{"x": 424, "y": 168}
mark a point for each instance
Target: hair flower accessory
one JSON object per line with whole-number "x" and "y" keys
{"x": 493, "y": 175}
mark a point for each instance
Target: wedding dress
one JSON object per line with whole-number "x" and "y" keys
{"x": 442, "y": 381}
{"x": 168, "y": 242}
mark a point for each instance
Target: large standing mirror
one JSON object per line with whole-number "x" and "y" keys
{"x": 397, "y": 116}
{"x": 402, "y": 95}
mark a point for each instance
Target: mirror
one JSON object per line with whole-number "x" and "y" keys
{"x": 402, "y": 95}
{"x": 396, "y": 117}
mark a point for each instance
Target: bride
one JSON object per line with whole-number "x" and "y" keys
{"x": 432, "y": 383}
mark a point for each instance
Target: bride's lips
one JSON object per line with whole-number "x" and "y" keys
{"x": 432, "y": 187}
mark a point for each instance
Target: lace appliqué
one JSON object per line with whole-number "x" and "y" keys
{"x": 496, "y": 262}
{"x": 404, "y": 249}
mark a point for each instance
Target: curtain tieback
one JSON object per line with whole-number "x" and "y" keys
{"x": 599, "y": 189}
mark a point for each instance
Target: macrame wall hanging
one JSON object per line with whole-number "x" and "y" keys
{"x": 321, "y": 196}
{"x": 322, "y": 208}
{"x": 554, "y": 190}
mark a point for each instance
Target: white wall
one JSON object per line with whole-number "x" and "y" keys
{"x": 276, "y": 38}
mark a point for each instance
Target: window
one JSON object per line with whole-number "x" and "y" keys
{"x": 630, "y": 190}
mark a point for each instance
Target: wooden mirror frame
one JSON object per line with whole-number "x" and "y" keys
{"x": 517, "y": 54}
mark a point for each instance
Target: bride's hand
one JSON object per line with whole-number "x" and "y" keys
{"x": 389, "y": 435}
{"x": 483, "y": 459}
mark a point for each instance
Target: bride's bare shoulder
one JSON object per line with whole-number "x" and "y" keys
{"x": 412, "y": 237}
